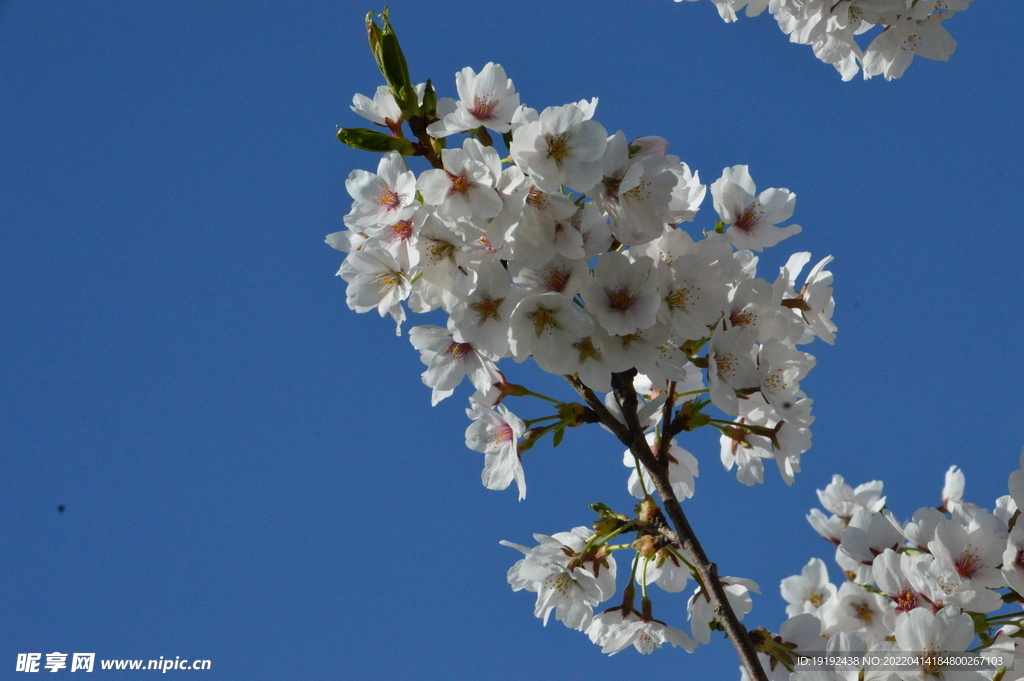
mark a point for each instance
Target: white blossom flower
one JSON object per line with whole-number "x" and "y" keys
{"x": 449, "y": 359}
{"x": 858, "y": 610}
{"x": 1016, "y": 483}
{"x": 844, "y": 501}
{"x": 483, "y": 317}
{"x": 569, "y": 587}
{"x": 382, "y": 109}
{"x": 614, "y": 632}
{"x": 383, "y": 197}
{"x": 812, "y": 305}
{"x": 917, "y": 30}
{"x": 444, "y": 275}
{"x": 947, "y": 631}
{"x": 486, "y": 99}
{"x": 464, "y": 187}
{"x": 376, "y": 280}
{"x": 545, "y": 326}
{"x": 731, "y": 367}
{"x": 560, "y": 275}
{"x": 682, "y": 469}
{"x": 561, "y": 147}
{"x": 808, "y": 591}
{"x": 495, "y": 433}
{"x": 640, "y": 349}
{"x": 751, "y": 305}
{"x": 782, "y": 367}
{"x": 667, "y": 571}
{"x": 973, "y": 554}
{"x": 622, "y": 295}
{"x": 591, "y": 363}
{"x": 634, "y": 193}
{"x": 830, "y": 528}
{"x": 751, "y": 218}
{"x": 869, "y": 534}
{"x": 701, "y": 612}
{"x": 1013, "y": 559}
{"x": 693, "y": 293}
{"x": 541, "y": 229}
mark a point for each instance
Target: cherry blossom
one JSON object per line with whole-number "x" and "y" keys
{"x": 751, "y": 219}
{"x": 496, "y": 432}
{"x": 486, "y": 99}
{"x": 564, "y": 585}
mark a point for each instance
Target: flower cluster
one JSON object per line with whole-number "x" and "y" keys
{"x": 568, "y": 251}
{"x": 927, "y": 585}
{"x": 908, "y": 28}
{"x": 573, "y": 572}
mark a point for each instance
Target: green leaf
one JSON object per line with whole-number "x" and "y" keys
{"x": 559, "y": 434}
{"x": 372, "y": 140}
{"x": 603, "y": 510}
{"x": 430, "y": 101}
{"x": 980, "y": 622}
{"x": 391, "y": 62}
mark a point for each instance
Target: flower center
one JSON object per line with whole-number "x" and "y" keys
{"x": 620, "y": 299}
{"x": 556, "y": 280}
{"x": 641, "y": 192}
{"x": 906, "y": 599}
{"x": 933, "y": 664}
{"x": 537, "y": 199}
{"x": 749, "y": 219}
{"x": 456, "y": 352}
{"x": 558, "y": 146}
{"x": 742, "y": 318}
{"x": 385, "y": 282}
{"x": 482, "y": 107}
{"x": 500, "y": 435}
{"x": 400, "y": 231}
{"x": 724, "y": 364}
{"x": 486, "y": 309}
{"x": 968, "y": 562}
{"x": 544, "y": 320}
{"x": 775, "y": 381}
{"x": 680, "y": 298}
{"x": 439, "y": 250}
{"x": 387, "y": 197}
{"x": 611, "y": 186}
{"x": 560, "y": 584}
{"x": 460, "y": 184}
{"x": 629, "y": 339}
{"x": 586, "y": 349}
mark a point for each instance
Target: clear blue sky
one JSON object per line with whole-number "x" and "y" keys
{"x": 253, "y": 474}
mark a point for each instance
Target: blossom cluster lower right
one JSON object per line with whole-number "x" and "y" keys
{"x": 936, "y": 584}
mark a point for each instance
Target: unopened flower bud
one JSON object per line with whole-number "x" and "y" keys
{"x": 572, "y": 414}
{"x": 646, "y": 546}
{"x": 510, "y": 389}
{"x": 647, "y": 512}
{"x": 603, "y": 526}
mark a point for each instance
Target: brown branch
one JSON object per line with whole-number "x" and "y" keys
{"x": 631, "y": 434}
{"x": 666, "y": 420}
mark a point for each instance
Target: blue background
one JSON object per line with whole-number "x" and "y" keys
{"x": 253, "y": 474}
